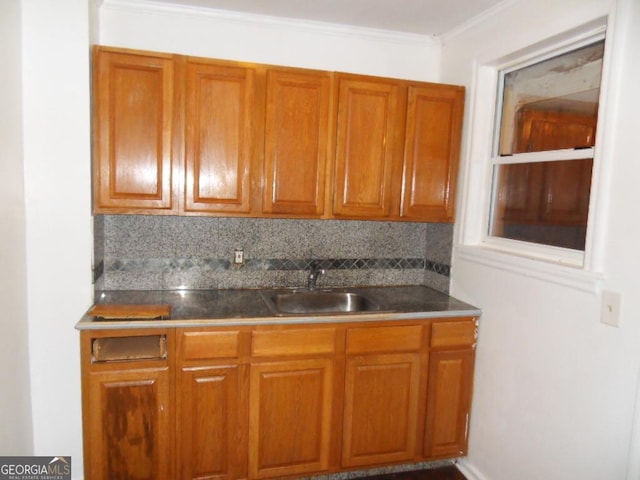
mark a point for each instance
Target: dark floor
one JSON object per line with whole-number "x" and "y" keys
{"x": 441, "y": 473}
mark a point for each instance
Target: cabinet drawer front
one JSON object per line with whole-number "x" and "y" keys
{"x": 384, "y": 339}
{"x": 306, "y": 341}
{"x": 453, "y": 334}
{"x": 207, "y": 345}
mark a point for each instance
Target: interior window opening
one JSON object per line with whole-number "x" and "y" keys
{"x": 545, "y": 142}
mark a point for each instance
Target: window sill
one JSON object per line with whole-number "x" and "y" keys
{"x": 568, "y": 276}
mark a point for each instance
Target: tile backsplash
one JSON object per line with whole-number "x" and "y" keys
{"x": 164, "y": 252}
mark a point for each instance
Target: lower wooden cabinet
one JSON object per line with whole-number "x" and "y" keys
{"x": 128, "y": 408}
{"x": 274, "y": 401}
{"x": 449, "y": 403}
{"x": 381, "y": 409}
{"x": 290, "y": 417}
{"x": 449, "y": 392}
{"x": 210, "y": 434}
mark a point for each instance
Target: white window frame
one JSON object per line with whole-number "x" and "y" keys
{"x": 578, "y": 269}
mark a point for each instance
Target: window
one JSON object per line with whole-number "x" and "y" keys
{"x": 543, "y": 152}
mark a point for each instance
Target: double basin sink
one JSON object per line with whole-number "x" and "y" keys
{"x": 318, "y": 302}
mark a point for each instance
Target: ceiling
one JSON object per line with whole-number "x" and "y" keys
{"x": 426, "y": 17}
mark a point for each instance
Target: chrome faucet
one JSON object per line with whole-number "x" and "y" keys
{"x": 313, "y": 277}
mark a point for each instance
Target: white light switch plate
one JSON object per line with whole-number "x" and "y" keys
{"x": 610, "y": 308}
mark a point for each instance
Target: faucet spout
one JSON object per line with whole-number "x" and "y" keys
{"x": 314, "y": 274}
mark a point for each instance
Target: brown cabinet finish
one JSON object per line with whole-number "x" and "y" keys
{"x": 135, "y": 119}
{"x": 450, "y": 387}
{"x": 131, "y": 424}
{"x": 368, "y": 149}
{"x": 431, "y": 152}
{"x": 209, "y": 423}
{"x": 212, "y": 402}
{"x": 220, "y": 137}
{"x": 381, "y": 409}
{"x": 128, "y": 412}
{"x": 297, "y": 141}
{"x": 274, "y": 401}
{"x": 290, "y": 417}
{"x": 449, "y": 403}
{"x": 195, "y": 136}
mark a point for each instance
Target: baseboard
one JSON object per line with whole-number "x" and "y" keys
{"x": 468, "y": 470}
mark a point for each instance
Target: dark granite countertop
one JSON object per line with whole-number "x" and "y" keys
{"x": 190, "y": 308}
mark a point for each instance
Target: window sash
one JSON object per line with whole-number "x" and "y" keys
{"x": 544, "y": 156}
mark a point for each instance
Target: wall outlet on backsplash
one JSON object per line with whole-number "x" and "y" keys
{"x": 238, "y": 256}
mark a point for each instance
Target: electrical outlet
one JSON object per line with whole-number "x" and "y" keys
{"x": 610, "y": 308}
{"x": 238, "y": 256}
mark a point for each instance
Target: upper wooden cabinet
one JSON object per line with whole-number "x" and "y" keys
{"x": 297, "y": 141}
{"x": 431, "y": 152}
{"x": 220, "y": 137}
{"x": 134, "y": 132}
{"x": 368, "y": 150}
{"x": 397, "y": 152}
{"x": 194, "y": 136}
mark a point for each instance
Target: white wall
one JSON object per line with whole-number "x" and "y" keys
{"x": 15, "y": 400}
{"x": 58, "y": 217}
{"x": 261, "y": 39}
{"x": 555, "y": 388}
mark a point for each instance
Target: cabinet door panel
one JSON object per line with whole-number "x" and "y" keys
{"x": 290, "y": 417}
{"x": 432, "y": 149}
{"x": 219, "y": 138}
{"x": 130, "y": 425}
{"x": 449, "y": 403}
{"x": 381, "y": 409}
{"x": 210, "y": 439}
{"x": 296, "y": 142}
{"x": 134, "y": 122}
{"x": 367, "y": 152}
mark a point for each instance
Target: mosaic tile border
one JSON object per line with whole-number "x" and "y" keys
{"x": 279, "y": 264}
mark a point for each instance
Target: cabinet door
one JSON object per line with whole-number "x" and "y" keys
{"x": 210, "y": 438}
{"x": 431, "y": 152}
{"x": 290, "y": 415}
{"x": 134, "y": 129}
{"x": 368, "y": 151}
{"x": 381, "y": 409}
{"x": 220, "y": 110}
{"x": 130, "y": 425}
{"x": 448, "y": 403}
{"x": 296, "y": 141}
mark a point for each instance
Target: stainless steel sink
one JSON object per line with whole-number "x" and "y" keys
{"x": 304, "y": 302}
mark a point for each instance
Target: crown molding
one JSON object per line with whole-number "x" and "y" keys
{"x": 267, "y": 21}
{"x": 478, "y": 19}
